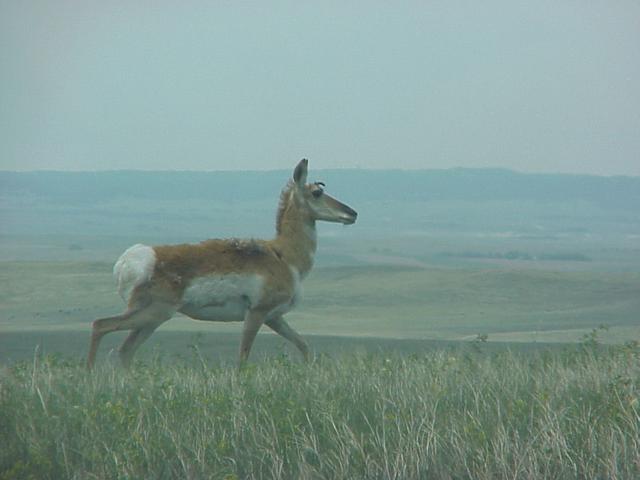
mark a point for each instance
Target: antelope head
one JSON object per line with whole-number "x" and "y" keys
{"x": 317, "y": 204}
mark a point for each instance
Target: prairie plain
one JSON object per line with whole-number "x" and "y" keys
{"x": 472, "y": 324}
{"x": 435, "y": 255}
{"x": 49, "y": 303}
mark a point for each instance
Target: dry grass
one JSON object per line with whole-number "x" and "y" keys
{"x": 449, "y": 413}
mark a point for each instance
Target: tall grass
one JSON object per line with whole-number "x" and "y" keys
{"x": 446, "y": 414}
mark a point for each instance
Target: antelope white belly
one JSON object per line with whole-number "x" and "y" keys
{"x": 222, "y": 298}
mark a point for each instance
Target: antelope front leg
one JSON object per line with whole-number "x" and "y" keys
{"x": 253, "y": 320}
{"x": 282, "y": 328}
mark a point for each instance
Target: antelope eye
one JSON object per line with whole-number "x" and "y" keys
{"x": 317, "y": 193}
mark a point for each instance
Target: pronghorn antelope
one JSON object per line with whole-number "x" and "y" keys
{"x": 253, "y": 281}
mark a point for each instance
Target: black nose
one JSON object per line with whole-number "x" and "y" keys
{"x": 351, "y": 212}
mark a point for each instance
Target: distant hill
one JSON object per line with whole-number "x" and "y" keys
{"x": 191, "y": 205}
{"x": 467, "y": 185}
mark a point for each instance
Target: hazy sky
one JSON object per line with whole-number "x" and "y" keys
{"x": 536, "y": 85}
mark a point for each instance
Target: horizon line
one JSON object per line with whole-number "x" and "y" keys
{"x": 349, "y": 169}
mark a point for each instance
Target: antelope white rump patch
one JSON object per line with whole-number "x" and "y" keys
{"x": 134, "y": 267}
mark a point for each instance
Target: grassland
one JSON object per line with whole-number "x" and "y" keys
{"x": 513, "y": 304}
{"x": 450, "y": 413}
{"x": 453, "y": 340}
{"x": 421, "y": 370}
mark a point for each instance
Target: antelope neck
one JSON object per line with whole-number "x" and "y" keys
{"x": 296, "y": 239}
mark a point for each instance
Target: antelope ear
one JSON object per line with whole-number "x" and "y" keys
{"x": 300, "y": 173}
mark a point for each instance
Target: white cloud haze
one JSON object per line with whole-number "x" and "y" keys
{"x": 533, "y": 86}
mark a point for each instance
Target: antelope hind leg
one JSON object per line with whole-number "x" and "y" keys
{"x": 132, "y": 342}
{"x": 100, "y": 328}
{"x": 281, "y": 327}
{"x": 143, "y": 321}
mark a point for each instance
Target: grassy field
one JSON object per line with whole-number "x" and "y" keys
{"x": 513, "y": 304}
{"x": 446, "y": 361}
{"x": 451, "y": 413}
